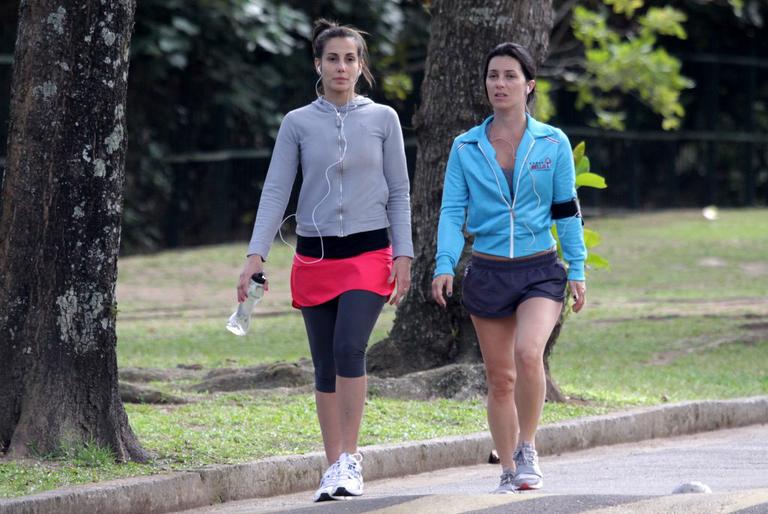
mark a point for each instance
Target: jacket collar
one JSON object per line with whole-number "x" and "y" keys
{"x": 326, "y": 106}
{"x": 534, "y": 128}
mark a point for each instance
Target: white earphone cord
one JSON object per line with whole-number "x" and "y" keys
{"x": 342, "y": 139}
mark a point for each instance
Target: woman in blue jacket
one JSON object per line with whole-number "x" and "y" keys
{"x": 508, "y": 179}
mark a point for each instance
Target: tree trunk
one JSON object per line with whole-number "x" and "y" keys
{"x": 452, "y": 100}
{"x": 553, "y": 392}
{"x": 60, "y": 210}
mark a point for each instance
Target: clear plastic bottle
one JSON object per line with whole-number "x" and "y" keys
{"x": 240, "y": 320}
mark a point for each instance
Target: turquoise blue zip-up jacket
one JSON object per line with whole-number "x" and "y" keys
{"x": 503, "y": 223}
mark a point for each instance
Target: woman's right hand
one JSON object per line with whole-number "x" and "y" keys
{"x": 442, "y": 286}
{"x": 254, "y": 264}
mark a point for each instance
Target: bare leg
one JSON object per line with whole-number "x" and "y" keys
{"x": 330, "y": 427}
{"x": 350, "y": 395}
{"x": 536, "y": 318}
{"x": 496, "y": 337}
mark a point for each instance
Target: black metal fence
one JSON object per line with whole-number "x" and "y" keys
{"x": 720, "y": 158}
{"x": 654, "y": 169}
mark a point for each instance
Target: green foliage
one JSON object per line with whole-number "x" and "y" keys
{"x": 545, "y": 109}
{"x": 738, "y": 6}
{"x": 214, "y": 53}
{"x": 584, "y": 177}
{"x": 590, "y": 180}
{"x": 625, "y": 6}
{"x": 199, "y": 71}
{"x": 397, "y": 86}
{"x": 220, "y": 75}
{"x": 631, "y": 64}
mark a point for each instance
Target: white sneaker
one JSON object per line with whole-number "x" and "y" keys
{"x": 327, "y": 483}
{"x": 350, "y": 478}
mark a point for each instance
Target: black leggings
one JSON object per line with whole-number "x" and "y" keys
{"x": 338, "y": 333}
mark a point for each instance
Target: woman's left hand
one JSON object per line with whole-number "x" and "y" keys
{"x": 401, "y": 275}
{"x": 579, "y": 292}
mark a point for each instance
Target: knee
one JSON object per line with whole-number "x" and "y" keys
{"x": 501, "y": 383}
{"x": 350, "y": 362}
{"x": 529, "y": 360}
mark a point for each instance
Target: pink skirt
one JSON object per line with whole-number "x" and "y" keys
{"x": 320, "y": 282}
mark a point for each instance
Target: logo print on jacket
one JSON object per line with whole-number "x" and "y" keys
{"x": 542, "y": 165}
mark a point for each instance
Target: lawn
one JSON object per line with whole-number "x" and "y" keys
{"x": 682, "y": 314}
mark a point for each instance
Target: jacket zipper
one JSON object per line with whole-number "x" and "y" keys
{"x": 525, "y": 160}
{"x": 341, "y": 189}
{"x": 511, "y": 210}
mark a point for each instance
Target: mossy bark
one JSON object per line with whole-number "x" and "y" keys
{"x": 60, "y": 212}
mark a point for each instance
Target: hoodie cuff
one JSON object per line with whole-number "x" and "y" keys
{"x": 444, "y": 266}
{"x": 576, "y": 270}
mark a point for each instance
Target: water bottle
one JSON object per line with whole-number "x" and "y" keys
{"x": 240, "y": 320}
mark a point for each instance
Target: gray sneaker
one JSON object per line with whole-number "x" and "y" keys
{"x": 506, "y": 484}
{"x": 528, "y": 474}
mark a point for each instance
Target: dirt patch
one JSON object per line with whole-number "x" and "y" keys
{"x": 661, "y": 307}
{"x": 702, "y": 344}
{"x": 158, "y": 374}
{"x": 760, "y": 327}
{"x": 711, "y": 262}
{"x": 455, "y": 381}
{"x": 268, "y": 376}
{"x": 755, "y": 269}
{"x": 627, "y": 319}
{"x": 132, "y": 393}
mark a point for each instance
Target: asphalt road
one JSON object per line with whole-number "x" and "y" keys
{"x": 636, "y": 477}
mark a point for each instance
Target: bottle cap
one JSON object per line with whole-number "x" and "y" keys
{"x": 259, "y": 278}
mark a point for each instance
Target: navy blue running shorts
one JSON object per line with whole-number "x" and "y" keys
{"x": 494, "y": 289}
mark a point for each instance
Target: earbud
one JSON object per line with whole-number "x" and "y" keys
{"x": 319, "y": 70}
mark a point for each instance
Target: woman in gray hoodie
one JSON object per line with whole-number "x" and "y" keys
{"x": 354, "y": 245}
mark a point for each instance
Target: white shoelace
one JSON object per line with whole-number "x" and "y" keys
{"x": 350, "y": 467}
{"x": 331, "y": 474}
{"x": 525, "y": 455}
{"x": 507, "y": 478}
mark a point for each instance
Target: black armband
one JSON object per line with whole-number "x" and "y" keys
{"x": 567, "y": 209}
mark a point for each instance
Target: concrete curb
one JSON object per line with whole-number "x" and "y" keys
{"x": 282, "y": 475}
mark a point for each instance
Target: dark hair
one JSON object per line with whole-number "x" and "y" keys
{"x": 325, "y": 30}
{"x": 521, "y": 55}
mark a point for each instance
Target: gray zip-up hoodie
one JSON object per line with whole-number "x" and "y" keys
{"x": 368, "y": 190}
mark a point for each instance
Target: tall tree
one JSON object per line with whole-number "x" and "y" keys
{"x": 452, "y": 100}
{"x": 60, "y": 209}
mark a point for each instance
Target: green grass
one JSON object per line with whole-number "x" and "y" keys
{"x": 613, "y": 363}
{"x": 238, "y": 428}
{"x": 70, "y": 466}
{"x": 167, "y": 343}
{"x": 678, "y": 284}
{"x": 246, "y": 428}
{"x": 681, "y": 255}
